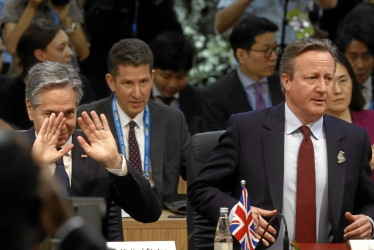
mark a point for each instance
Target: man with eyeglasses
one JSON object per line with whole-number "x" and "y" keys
{"x": 254, "y": 85}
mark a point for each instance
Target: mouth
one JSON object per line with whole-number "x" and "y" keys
{"x": 319, "y": 101}
{"x": 339, "y": 100}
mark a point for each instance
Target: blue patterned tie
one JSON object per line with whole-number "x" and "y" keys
{"x": 61, "y": 174}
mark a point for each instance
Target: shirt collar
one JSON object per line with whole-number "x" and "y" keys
{"x": 293, "y": 123}
{"x": 247, "y": 81}
{"x": 367, "y": 83}
{"x": 125, "y": 119}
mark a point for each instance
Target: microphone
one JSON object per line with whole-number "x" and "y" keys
{"x": 286, "y": 241}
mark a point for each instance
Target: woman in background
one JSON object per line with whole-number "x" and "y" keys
{"x": 42, "y": 41}
{"x": 348, "y": 101}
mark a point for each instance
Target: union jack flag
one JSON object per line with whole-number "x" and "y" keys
{"x": 242, "y": 225}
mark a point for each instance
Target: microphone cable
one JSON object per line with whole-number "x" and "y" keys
{"x": 286, "y": 241}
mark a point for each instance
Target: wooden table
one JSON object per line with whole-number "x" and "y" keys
{"x": 313, "y": 246}
{"x": 165, "y": 228}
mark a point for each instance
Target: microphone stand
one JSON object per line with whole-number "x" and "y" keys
{"x": 284, "y": 24}
{"x": 286, "y": 241}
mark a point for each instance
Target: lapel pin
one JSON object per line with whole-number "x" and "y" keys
{"x": 341, "y": 157}
{"x": 83, "y": 155}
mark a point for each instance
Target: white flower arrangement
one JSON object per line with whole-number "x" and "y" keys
{"x": 214, "y": 56}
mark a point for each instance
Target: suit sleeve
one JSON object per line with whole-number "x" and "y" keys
{"x": 210, "y": 190}
{"x": 134, "y": 194}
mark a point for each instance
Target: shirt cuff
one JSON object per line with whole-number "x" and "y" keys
{"x": 372, "y": 227}
{"x": 70, "y": 225}
{"x": 121, "y": 170}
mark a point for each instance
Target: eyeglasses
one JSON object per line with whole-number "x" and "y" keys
{"x": 268, "y": 52}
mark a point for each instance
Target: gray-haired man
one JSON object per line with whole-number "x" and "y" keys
{"x": 93, "y": 165}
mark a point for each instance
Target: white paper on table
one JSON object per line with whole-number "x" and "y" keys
{"x": 142, "y": 245}
{"x": 361, "y": 244}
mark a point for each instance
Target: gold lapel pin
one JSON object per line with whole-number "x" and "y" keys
{"x": 341, "y": 157}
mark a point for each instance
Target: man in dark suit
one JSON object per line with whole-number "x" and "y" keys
{"x": 262, "y": 147}
{"x": 90, "y": 167}
{"x": 173, "y": 58}
{"x": 254, "y": 85}
{"x": 161, "y": 132}
{"x": 355, "y": 39}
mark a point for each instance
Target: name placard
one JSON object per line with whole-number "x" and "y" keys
{"x": 142, "y": 245}
{"x": 361, "y": 244}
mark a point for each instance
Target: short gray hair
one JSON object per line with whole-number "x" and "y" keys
{"x": 298, "y": 47}
{"x": 50, "y": 75}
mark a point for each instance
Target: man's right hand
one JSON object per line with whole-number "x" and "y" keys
{"x": 261, "y": 224}
{"x": 44, "y": 149}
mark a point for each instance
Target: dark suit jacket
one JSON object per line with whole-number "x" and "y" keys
{"x": 170, "y": 142}
{"x": 131, "y": 192}
{"x": 191, "y": 105}
{"x": 252, "y": 149}
{"x": 227, "y": 96}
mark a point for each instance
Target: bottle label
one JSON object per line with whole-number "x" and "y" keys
{"x": 222, "y": 246}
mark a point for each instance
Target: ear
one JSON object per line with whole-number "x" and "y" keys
{"x": 241, "y": 55}
{"x": 39, "y": 55}
{"x": 110, "y": 81}
{"x": 286, "y": 81}
{"x": 153, "y": 76}
{"x": 30, "y": 110}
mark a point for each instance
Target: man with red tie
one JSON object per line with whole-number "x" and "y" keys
{"x": 296, "y": 160}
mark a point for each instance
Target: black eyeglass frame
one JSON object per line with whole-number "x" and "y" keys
{"x": 269, "y": 51}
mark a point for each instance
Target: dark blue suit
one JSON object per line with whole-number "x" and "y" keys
{"x": 253, "y": 149}
{"x": 131, "y": 192}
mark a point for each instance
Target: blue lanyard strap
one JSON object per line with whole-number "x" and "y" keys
{"x": 147, "y": 136}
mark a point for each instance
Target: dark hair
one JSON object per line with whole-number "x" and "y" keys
{"x": 357, "y": 100}
{"x": 172, "y": 51}
{"x": 244, "y": 33}
{"x": 20, "y": 201}
{"x": 354, "y": 30}
{"x": 37, "y": 36}
{"x": 130, "y": 51}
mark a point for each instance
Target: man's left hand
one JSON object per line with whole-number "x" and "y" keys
{"x": 360, "y": 227}
{"x": 101, "y": 147}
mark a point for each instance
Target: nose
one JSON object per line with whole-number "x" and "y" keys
{"x": 274, "y": 54}
{"x": 136, "y": 91}
{"x": 359, "y": 62}
{"x": 321, "y": 86}
{"x": 69, "y": 52}
{"x": 337, "y": 88}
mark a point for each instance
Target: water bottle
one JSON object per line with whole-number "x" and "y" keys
{"x": 223, "y": 238}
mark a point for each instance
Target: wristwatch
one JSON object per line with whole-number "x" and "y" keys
{"x": 71, "y": 29}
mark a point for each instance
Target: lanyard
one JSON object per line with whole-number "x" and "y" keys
{"x": 135, "y": 21}
{"x": 147, "y": 128}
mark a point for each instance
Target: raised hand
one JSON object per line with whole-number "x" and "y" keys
{"x": 261, "y": 223}
{"x": 44, "y": 149}
{"x": 101, "y": 145}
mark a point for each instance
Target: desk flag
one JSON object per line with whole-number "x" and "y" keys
{"x": 242, "y": 225}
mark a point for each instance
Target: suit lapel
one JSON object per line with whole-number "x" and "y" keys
{"x": 238, "y": 94}
{"x": 273, "y": 148}
{"x": 157, "y": 142}
{"x": 336, "y": 171}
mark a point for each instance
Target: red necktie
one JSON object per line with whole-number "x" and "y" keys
{"x": 134, "y": 154}
{"x": 305, "y": 230}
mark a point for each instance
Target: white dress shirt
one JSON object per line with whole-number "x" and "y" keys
{"x": 292, "y": 140}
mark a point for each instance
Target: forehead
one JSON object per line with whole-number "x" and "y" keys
{"x": 131, "y": 71}
{"x": 356, "y": 46}
{"x": 57, "y": 99}
{"x": 267, "y": 38}
{"x": 315, "y": 60}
